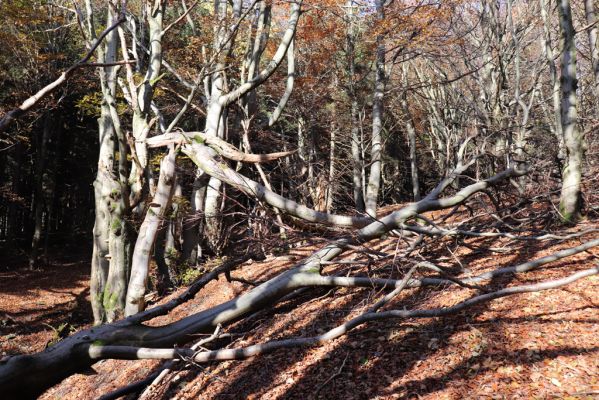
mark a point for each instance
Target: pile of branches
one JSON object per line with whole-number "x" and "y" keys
{"x": 27, "y": 376}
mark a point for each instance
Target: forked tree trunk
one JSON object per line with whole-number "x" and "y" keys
{"x": 216, "y": 126}
{"x": 142, "y": 96}
{"x": 110, "y": 257}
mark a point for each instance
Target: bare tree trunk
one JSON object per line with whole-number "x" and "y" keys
{"x": 357, "y": 161}
{"x": 165, "y": 247}
{"x": 304, "y": 152}
{"x": 40, "y": 203}
{"x": 147, "y": 234}
{"x": 591, "y": 17}
{"x": 192, "y": 224}
{"x": 411, "y": 132}
{"x": 555, "y": 95}
{"x": 110, "y": 264}
{"x": 356, "y": 139}
{"x": 142, "y": 95}
{"x": 331, "y": 183}
{"x": 216, "y": 126}
{"x": 374, "y": 179}
{"x": 570, "y": 200}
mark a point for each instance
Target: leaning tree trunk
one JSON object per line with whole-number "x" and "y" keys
{"x": 27, "y": 376}
{"x": 147, "y": 235}
{"x": 570, "y": 200}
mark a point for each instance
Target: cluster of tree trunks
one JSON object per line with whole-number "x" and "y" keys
{"x": 133, "y": 207}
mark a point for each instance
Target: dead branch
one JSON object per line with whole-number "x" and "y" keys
{"x": 135, "y": 353}
{"x": 205, "y": 159}
{"x": 34, "y": 100}
{"x": 27, "y": 376}
{"x": 220, "y": 146}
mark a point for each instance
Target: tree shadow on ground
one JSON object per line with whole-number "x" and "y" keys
{"x": 38, "y": 305}
{"x": 370, "y": 357}
{"x": 75, "y": 311}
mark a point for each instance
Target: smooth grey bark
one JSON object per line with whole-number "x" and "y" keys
{"x": 331, "y": 186}
{"x": 493, "y": 82}
{"x": 173, "y": 236}
{"x": 192, "y": 224}
{"x": 555, "y": 83}
{"x": 440, "y": 138}
{"x": 240, "y": 353}
{"x": 168, "y": 241}
{"x": 276, "y": 114}
{"x": 411, "y": 134}
{"x": 591, "y": 18}
{"x": 29, "y": 375}
{"x": 273, "y": 64}
{"x": 216, "y": 122}
{"x": 249, "y": 102}
{"x": 571, "y": 196}
{"x": 216, "y": 125}
{"x": 110, "y": 257}
{"x": 205, "y": 159}
{"x": 357, "y": 160}
{"x": 164, "y": 257}
{"x": 356, "y": 139}
{"x": 374, "y": 178}
{"x": 147, "y": 234}
{"x": 119, "y": 186}
{"x": 141, "y": 96}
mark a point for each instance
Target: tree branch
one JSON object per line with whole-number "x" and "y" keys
{"x": 137, "y": 353}
{"x": 32, "y": 101}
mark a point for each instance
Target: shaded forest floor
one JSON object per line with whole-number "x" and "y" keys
{"x": 39, "y": 307}
{"x": 536, "y": 345}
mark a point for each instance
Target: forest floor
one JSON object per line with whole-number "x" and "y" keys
{"x": 535, "y": 345}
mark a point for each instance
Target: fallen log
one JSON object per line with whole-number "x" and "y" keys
{"x": 27, "y": 376}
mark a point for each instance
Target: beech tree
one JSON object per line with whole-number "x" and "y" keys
{"x": 305, "y": 116}
{"x": 570, "y": 194}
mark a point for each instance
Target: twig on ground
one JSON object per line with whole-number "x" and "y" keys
{"x": 336, "y": 374}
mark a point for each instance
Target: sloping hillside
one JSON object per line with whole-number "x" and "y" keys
{"x": 540, "y": 344}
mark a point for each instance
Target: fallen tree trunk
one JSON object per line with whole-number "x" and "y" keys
{"x": 27, "y": 376}
{"x": 136, "y": 353}
{"x": 206, "y": 159}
